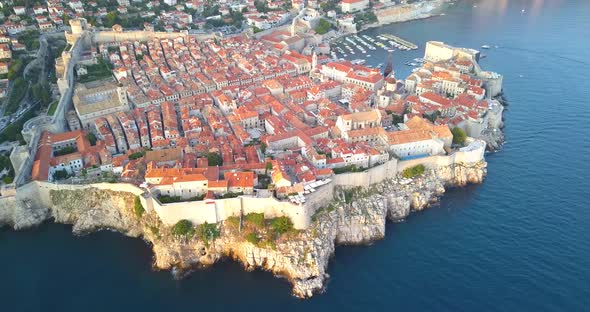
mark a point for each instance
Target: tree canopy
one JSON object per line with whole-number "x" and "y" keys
{"x": 459, "y": 135}
{"x": 183, "y": 228}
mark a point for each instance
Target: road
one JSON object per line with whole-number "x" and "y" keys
{"x": 41, "y": 60}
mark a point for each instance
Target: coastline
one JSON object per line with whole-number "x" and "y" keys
{"x": 442, "y": 5}
{"x": 356, "y": 216}
{"x": 438, "y": 7}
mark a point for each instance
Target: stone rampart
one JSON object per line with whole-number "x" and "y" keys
{"x": 367, "y": 177}
{"x": 141, "y": 35}
{"x": 214, "y": 211}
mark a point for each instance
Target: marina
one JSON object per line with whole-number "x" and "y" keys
{"x": 362, "y": 44}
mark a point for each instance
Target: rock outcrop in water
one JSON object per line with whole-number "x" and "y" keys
{"x": 355, "y": 216}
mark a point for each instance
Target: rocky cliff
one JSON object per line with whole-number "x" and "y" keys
{"x": 355, "y": 216}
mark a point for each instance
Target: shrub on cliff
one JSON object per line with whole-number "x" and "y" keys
{"x": 183, "y": 228}
{"x": 256, "y": 219}
{"x": 281, "y": 225}
{"x": 233, "y": 222}
{"x": 252, "y": 238}
{"x": 138, "y": 207}
{"x": 207, "y": 232}
{"x": 459, "y": 135}
{"x": 413, "y": 171}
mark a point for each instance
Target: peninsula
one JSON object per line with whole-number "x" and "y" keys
{"x": 262, "y": 148}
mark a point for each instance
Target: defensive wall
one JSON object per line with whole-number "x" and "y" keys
{"x": 472, "y": 153}
{"x": 211, "y": 211}
{"x": 141, "y": 35}
{"x": 214, "y": 211}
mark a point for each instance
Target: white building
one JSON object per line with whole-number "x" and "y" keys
{"x": 420, "y": 138}
{"x": 354, "y": 5}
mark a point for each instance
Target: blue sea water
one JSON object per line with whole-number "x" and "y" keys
{"x": 518, "y": 242}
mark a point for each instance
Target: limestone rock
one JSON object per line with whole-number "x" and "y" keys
{"x": 303, "y": 259}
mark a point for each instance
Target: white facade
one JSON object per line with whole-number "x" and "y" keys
{"x": 423, "y": 147}
{"x": 354, "y": 5}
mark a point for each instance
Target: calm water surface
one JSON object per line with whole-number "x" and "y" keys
{"x": 518, "y": 242}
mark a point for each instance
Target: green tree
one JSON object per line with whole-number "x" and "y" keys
{"x": 459, "y": 135}
{"x": 138, "y": 207}
{"x": 207, "y": 232}
{"x": 261, "y": 6}
{"x": 183, "y": 228}
{"x": 91, "y": 138}
{"x": 66, "y": 19}
{"x": 137, "y": 155}
{"x": 15, "y": 69}
{"x": 255, "y": 219}
{"x": 323, "y": 27}
{"x": 281, "y": 225}
{"x": 252, "y": 238}
{"x": 41, "y": 92}
{"x": 60, "y": 175}
{"x": 263, "y": 147}
{"x": 413, "y": 171}
{"x": 267, "y": 168}
{"x": 214, "y": 159}
{"x": 111, "y": 19}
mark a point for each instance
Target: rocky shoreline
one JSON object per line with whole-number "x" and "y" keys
{"x": 495, "y": 138}
{"x": 355, "y": 216}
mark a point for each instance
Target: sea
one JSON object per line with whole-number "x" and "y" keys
{"x": 518, "y": 242}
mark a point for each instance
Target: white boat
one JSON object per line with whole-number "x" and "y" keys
{"x": 485, "y": 46}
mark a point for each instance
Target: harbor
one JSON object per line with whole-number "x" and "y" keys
{"x": 362, "y": 45}
{"x": 361, "y": 48}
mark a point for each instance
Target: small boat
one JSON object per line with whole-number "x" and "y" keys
{"x": 485, "y": 46}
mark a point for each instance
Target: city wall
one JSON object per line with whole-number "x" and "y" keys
{"x": 214, "y": 211}
{"x": 473, "y": 153}
{"x": 141, "y": 35}
{"x": 198, "y": 212}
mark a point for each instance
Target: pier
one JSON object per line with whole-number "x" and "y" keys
{"x": 401, "y": 41}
